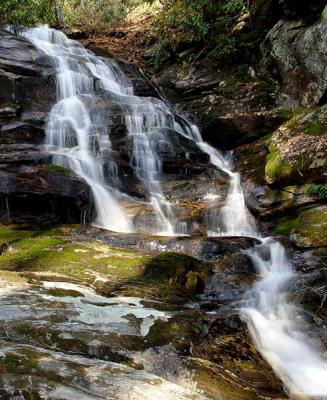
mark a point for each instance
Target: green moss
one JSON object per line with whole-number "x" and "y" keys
{"x": 294, "y": 112}
{"x": 49, "y": 252}
{"x": 317, "y": 190}
{"x": 276, "y": 169}
{"x": 286, "y": 226}
{"x": 162, "y": 277}
{"x": 22, "y": 364}
{"x": 315, "y": 128}
{"x": 312, "y": 227}
{"x": 59, "y": 169}
{"x": 239, "y": 74}
{"x": 56, "y": 292}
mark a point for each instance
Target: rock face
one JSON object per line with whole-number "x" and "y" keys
{"x": 310, "y": 228}
{"x": 296, "y": 56}
{"x": 302, "y": 9}
{"x": 30, "y": 190}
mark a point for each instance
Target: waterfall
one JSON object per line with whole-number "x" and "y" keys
{"x": 233, "y": 219}
{"x": 75, "y": 138}
{"x": 80, "y": 140}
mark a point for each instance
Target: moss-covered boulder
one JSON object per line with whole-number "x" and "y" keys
{"x": 311, "y": 228}
{"x": 297, "y": 150}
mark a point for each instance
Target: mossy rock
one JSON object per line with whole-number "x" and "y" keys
{"x": 285, "y": 226}
{"x": 276, "y": 168}
{"x": 311, "y": 228}
{"x": 49, "y": 254}
{"x": 59, "y": 169}
{"x": 298, "y": 149}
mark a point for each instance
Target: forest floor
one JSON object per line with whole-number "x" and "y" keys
{"x": 128, "y": 41}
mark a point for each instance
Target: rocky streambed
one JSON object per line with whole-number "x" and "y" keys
{"x": 81, "y": 316}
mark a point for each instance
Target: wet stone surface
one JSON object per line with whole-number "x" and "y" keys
{"x": 81, "y": 318}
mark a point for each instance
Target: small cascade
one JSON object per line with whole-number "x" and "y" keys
{"x": 273, "y": 321}
{"x": 233, "y": 219}
{"x": 148, "y": 122}
{"x": 275, "y": 324}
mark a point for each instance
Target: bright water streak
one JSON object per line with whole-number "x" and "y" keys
{"x": 272, "y": 320}
{"x": 233, "y": 219}
{"x": 73, "y": 137}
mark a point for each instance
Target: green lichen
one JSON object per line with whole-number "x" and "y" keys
{"x": 315, "y": 128}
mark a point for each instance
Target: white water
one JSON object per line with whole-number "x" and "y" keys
{"x": 233, "y": 219}
{"x": 81, "y": 141}
{"x": 274, "y": 322}
{"x": 77, "y": 140}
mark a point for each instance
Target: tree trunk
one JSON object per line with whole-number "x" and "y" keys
{"x": 59, "y": 13}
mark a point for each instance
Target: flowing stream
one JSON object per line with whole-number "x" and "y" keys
{"x": 80, "y": 140}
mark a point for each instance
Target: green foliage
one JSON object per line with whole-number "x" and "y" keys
{"x": 26, "y": 12}
{"x": 185, "y": 23}
{"x": 317, "y": 190}
{"x": 70, "y": 12}
{"x": 95, "y": 12}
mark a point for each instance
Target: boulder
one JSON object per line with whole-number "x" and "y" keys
{"x": 310, "y": 228}
{"x": 296, "y": 55}
{"x": 298, "y": 149}
{"x": 43, "y": 194}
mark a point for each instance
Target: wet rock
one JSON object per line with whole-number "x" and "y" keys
{"x": 141, "y": 84}
{"x": 229, "y": 131}
{"x": 19, "y": 56}
{"x": 55, "y": 375}
{"x": 34, "y": 192}
{"x": 179, "y": 270}
{"x": 227, "y": 365}
{"x": 272, "y": 204}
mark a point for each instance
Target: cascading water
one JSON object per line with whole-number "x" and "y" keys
{"x": 147, "y": 122}
{"x": 79, "y": 139}
{"x": 272, "y": 319}
{"x": 75, "y": 138}
{"x": 274, "y": 323}
{"x": 233, "y": 219}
